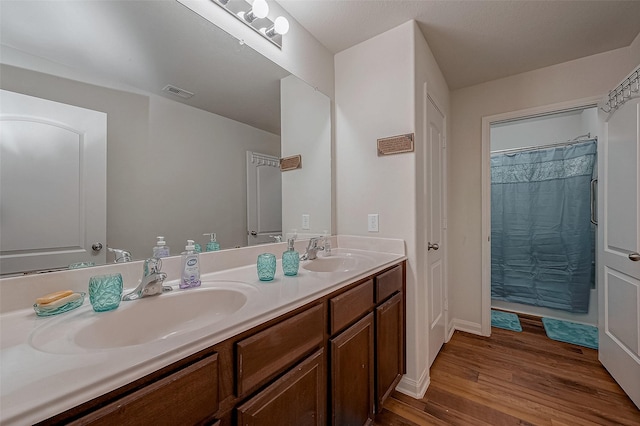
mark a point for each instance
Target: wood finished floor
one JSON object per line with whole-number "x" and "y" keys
{"x": 514, "y": 378}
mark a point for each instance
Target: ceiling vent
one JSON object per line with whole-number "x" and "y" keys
{"x": 177, "y": 91}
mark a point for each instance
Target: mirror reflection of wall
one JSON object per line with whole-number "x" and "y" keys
{"x": 175, "y": 167}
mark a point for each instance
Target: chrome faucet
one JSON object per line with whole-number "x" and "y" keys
{"x": 312, "y": 249}
{"x": 152, "y": 281}
{"x": 121, "y": 256}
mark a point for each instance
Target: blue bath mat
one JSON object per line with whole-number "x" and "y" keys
{"x": 571, "y": 332}
{"x": 505, "y": 320}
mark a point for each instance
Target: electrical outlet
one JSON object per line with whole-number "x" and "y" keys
{"x": 372, "y": 222}
{"x": 305, "y": 222}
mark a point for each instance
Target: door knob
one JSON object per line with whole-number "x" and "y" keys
{"x": 433, "y": 246}
{"x": 96, "y": 246}
{"x": 253, "y": 233}
{"x": 634, "y": 256}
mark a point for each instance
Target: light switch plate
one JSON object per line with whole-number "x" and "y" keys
{"x": 372, "y": 222}
{"x": 305, "y": 222}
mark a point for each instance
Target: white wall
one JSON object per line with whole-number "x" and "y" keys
{"x": 379, "y": 93}
{"x": 591, "y": 76}
{"x": 537, "y": 131}
{"x": 427, "y": 73}
{"x": 306, "y": 130}
{"x": 148, "y": 175}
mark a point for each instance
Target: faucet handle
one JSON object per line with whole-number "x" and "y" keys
{"x": 152, "y": 266}
{"x": 120, "y": 255}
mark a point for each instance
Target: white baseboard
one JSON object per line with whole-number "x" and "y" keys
{"x": 468, "y": 326}
{"x": 450, "y": 329}
{"x": 415, "y": 389}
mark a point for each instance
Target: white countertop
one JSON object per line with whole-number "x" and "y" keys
{"x": 39, "y": 380}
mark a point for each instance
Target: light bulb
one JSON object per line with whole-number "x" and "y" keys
{"x": 281, "y": 25}
{"x": 260, "y": 9}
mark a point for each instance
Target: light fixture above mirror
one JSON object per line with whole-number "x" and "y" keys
{"x": 255, "y": 16}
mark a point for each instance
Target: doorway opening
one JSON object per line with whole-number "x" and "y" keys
{"x": 536, "y": 164}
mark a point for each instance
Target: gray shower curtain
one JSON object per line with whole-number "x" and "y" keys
{"x": 542, "y": 239}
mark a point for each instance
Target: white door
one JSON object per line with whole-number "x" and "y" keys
{"x": 619, "y": 261}
{"x": 264, "y": 198}
{"x": 52, "y": 184}
{"x": 435, "y": 269}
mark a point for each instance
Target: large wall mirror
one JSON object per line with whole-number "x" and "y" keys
{"x": 175, "y": 166}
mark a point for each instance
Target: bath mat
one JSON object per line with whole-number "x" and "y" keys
{"x": 571, "y": 332}
{"x": 505, "y": 320}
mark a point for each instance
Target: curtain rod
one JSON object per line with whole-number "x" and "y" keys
{"x": 578, "y": 139}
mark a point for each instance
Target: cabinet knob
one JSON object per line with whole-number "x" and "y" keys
{"x": 634, "y": 256}
{"x": 97, "y": 246}
{"x": 434, "y": 246}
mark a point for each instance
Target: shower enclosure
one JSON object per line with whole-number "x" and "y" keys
{"x": 542, "y": 235}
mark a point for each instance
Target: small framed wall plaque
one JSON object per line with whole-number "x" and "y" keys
{"x": 395, "y": 144}
{"x": 291, "y": 163}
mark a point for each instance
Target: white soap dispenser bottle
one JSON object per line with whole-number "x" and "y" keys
{"x": 161, "y": 249}
{"x": 190, "y": 266}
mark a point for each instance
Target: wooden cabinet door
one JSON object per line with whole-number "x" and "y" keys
{"x": 352, "y": 375}
{"x": 389, "y": 347}
{"x": 298, "y": 398}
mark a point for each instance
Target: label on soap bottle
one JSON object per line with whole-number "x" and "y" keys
{"x": 190, "y": 272}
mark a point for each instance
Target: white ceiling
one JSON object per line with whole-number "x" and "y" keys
{"x": 478, "y": 41}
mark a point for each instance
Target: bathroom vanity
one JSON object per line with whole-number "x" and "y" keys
{"x": 324, "y": 347}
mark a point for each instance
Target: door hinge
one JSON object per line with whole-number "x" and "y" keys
{"x": 444, "y": 223}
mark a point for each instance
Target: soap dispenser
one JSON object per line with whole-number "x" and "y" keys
{"x": 212, "y": 245}
{"x": 290, "y": 259}
{"x": 190, "y": 266}
{"x": 326, "y": 237}
{"x": 161, "y": 249}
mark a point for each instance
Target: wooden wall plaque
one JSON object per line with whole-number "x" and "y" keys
{"x": 291, "y": 163}
{"x": 395, "y": 144}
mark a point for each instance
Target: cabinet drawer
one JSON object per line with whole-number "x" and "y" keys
{"x": 350, "y": 305}
{"x": 188, "y": 396}
{"x": 268, "y": 353}
{"x": 388, "y": 283}
{"x": 298, "y": 398}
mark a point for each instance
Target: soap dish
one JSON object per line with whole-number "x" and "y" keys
{"x": 64, "y": 308}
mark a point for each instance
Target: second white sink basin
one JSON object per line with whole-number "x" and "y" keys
{"x": 343, "y": 262}
{"x": 140, "y": 321}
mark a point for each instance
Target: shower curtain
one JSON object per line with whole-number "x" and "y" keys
{"x": 542, "y": 239}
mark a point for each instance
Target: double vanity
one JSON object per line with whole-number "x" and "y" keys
{"x": 325, "y": 346}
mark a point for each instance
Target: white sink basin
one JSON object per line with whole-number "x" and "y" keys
{"x": 343, "y": 262}
{"x": 140, "y": 321}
